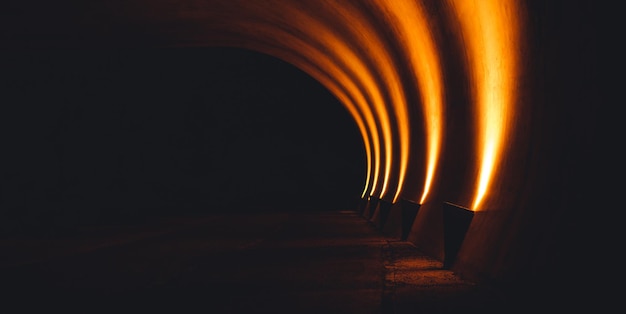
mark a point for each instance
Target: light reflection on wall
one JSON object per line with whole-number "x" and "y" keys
{"x": 311, "y": 58}
{"x": 350, "y": 71}
{"x": 342, "y": 43}
{"x": 360, "y": 52}
{"x": 414, "y": 35}
{"x": 489, "y": 29}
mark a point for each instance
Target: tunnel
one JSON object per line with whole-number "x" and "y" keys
{"x": 456, "y": 143}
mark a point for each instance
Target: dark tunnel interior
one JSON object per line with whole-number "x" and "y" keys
{"x": 217, "y": 151}
{"x": 111, "y": 135}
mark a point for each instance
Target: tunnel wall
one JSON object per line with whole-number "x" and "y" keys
{"x": 539, "y": 226}
{"x": 530, "y": 228}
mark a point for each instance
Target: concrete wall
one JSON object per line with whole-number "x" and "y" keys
{"x": 536, "y": 224}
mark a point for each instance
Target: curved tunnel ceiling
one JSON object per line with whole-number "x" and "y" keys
{"x": 380, "y": 58}
{"x": 362, "y": 52}
{"x": 469, "y": 101}
{"x": 385, "y": 60}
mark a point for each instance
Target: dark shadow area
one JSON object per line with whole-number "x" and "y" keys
{"x": 115, "y": 136}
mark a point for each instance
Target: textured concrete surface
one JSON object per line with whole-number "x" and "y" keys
{"x": 326, "y": 262}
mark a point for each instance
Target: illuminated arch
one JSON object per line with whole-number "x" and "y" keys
{"x": 344, "y": 47}
{"x": 359, "y": 51}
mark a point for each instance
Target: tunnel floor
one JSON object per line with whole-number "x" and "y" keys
{"x": 321, "y": 262}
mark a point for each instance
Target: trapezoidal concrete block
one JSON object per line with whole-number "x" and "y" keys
{"x": 456, "y": 222}
{"x": 393, "y": 225}
{"x": 409, "y": 210}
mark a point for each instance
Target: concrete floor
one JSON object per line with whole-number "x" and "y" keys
{"x": 324, "y": 262}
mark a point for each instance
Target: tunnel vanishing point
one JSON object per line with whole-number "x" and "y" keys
{"x": 489, "y": 105}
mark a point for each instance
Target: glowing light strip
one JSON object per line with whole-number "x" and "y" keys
{"x": 307, "y": 54}
{"x": 346, "y": 56}
{"x": 341, "y": 95}
{"x": 490, "y": 31}
{"x": 346, "y": 43}
{"x": 383, "y": 64}
{"x": 417, "y": 41}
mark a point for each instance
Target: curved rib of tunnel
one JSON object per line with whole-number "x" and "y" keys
{"x": 485, "y": 107}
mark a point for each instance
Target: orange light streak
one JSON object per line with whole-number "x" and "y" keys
{"x": 490, "y": 31}
{"x": 302, "y": 55}
{"x": 385, "y": 67}
{"x": 343, "y": 46}
{"x": 417, "y": 41}
{"x": 351, "y": 62}
{"x": 343, "y": 97}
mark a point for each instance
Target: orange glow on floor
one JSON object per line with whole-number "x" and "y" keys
{"x": 490, "y": 31}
